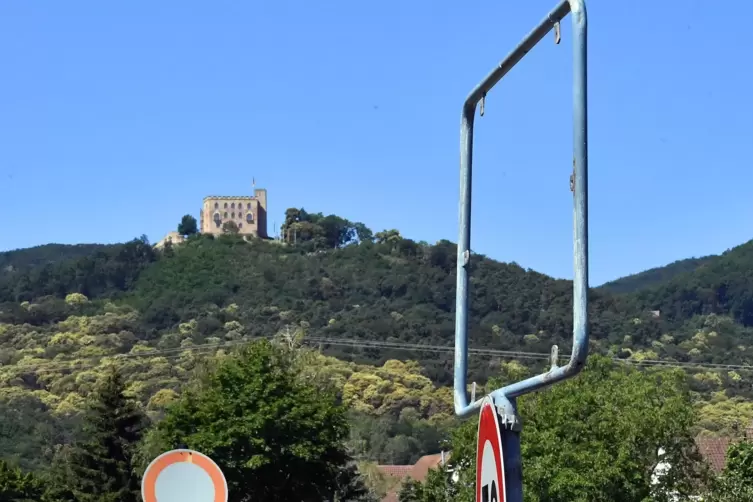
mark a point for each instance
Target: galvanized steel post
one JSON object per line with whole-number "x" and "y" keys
{"x": 504, "y": 398}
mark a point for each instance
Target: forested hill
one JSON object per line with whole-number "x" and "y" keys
{"x": 343, "y": 281}
{"x": 339, "y": 286}
{"x": 720, "y": 284}
{"x": 45, "y": 254}
{"x": 654, "y": 276}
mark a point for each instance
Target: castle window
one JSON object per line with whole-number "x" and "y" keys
{"x": 216, "y": 205}
{"x": 240, "y": 225}
{"x": 250, "y": 218}
{"x": 217, "y": 220}
{"x": 225, "y": 214}
{"x": 248, "y": 206}
{"x": 232, "y": 215}
{"x": 232, "y": 206}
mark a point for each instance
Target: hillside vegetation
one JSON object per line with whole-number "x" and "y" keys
{"x": 65, "y": 320}
{"x": 45, "y": 254}
{"x": 653, "y": 276}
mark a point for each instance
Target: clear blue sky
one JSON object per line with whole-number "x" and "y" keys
{"x": 116, "y": 118}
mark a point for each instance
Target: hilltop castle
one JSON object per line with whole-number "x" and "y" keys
{"x": 249, "y": 213}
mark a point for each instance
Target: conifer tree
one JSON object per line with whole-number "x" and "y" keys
{"x": 100, "y": 468}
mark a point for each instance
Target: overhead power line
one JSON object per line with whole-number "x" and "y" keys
{"x": 177, "y": 352}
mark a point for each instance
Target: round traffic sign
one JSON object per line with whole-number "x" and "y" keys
{"x": 490, "y": 468}
{"x": 183, "y": 476}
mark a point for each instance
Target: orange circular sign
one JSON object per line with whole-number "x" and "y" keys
{"x": 180, "y": 484}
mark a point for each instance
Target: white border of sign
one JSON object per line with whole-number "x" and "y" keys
{"x": 490, "y": 463}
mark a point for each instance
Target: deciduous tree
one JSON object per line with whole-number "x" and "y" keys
{"x": 594, "y": 437}
{"x": 274, "y": 435}
{"x": 17, "y": 486}
{"x": 230, "y": 227}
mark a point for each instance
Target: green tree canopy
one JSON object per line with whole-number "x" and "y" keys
{"x": 274, "y": 435}
{"x": 230, "y": 227}
{"x": 187, "y": 225}
{"x": 316, "y": 231}
{"x": 17, "y": 486}
{"x": 593, "y": 438}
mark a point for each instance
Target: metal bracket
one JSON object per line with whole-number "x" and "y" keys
{"x": 554, "y": 357}
{"x": 579, "y": 186}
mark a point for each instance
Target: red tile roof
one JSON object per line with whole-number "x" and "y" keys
{"x": 421, "y": 469}
{"x": 395, "y": 471}
{"x": 714, "y": 451}
{"x": 418, "y": 472}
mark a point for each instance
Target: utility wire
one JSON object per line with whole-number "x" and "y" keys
{"x": 178, "y": 352}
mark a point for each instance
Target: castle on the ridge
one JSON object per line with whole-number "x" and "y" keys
{"x": 248, "y": 212}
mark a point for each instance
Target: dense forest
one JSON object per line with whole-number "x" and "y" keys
{"x": 379, "y": 306}
{"x": 654, "y": 276}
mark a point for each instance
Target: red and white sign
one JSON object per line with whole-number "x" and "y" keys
{"x": 490, "y": 467}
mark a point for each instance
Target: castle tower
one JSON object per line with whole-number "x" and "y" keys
{"x": 260, "y": 194}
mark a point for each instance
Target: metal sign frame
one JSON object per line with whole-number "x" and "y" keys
{"x": 504, "y": 398}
